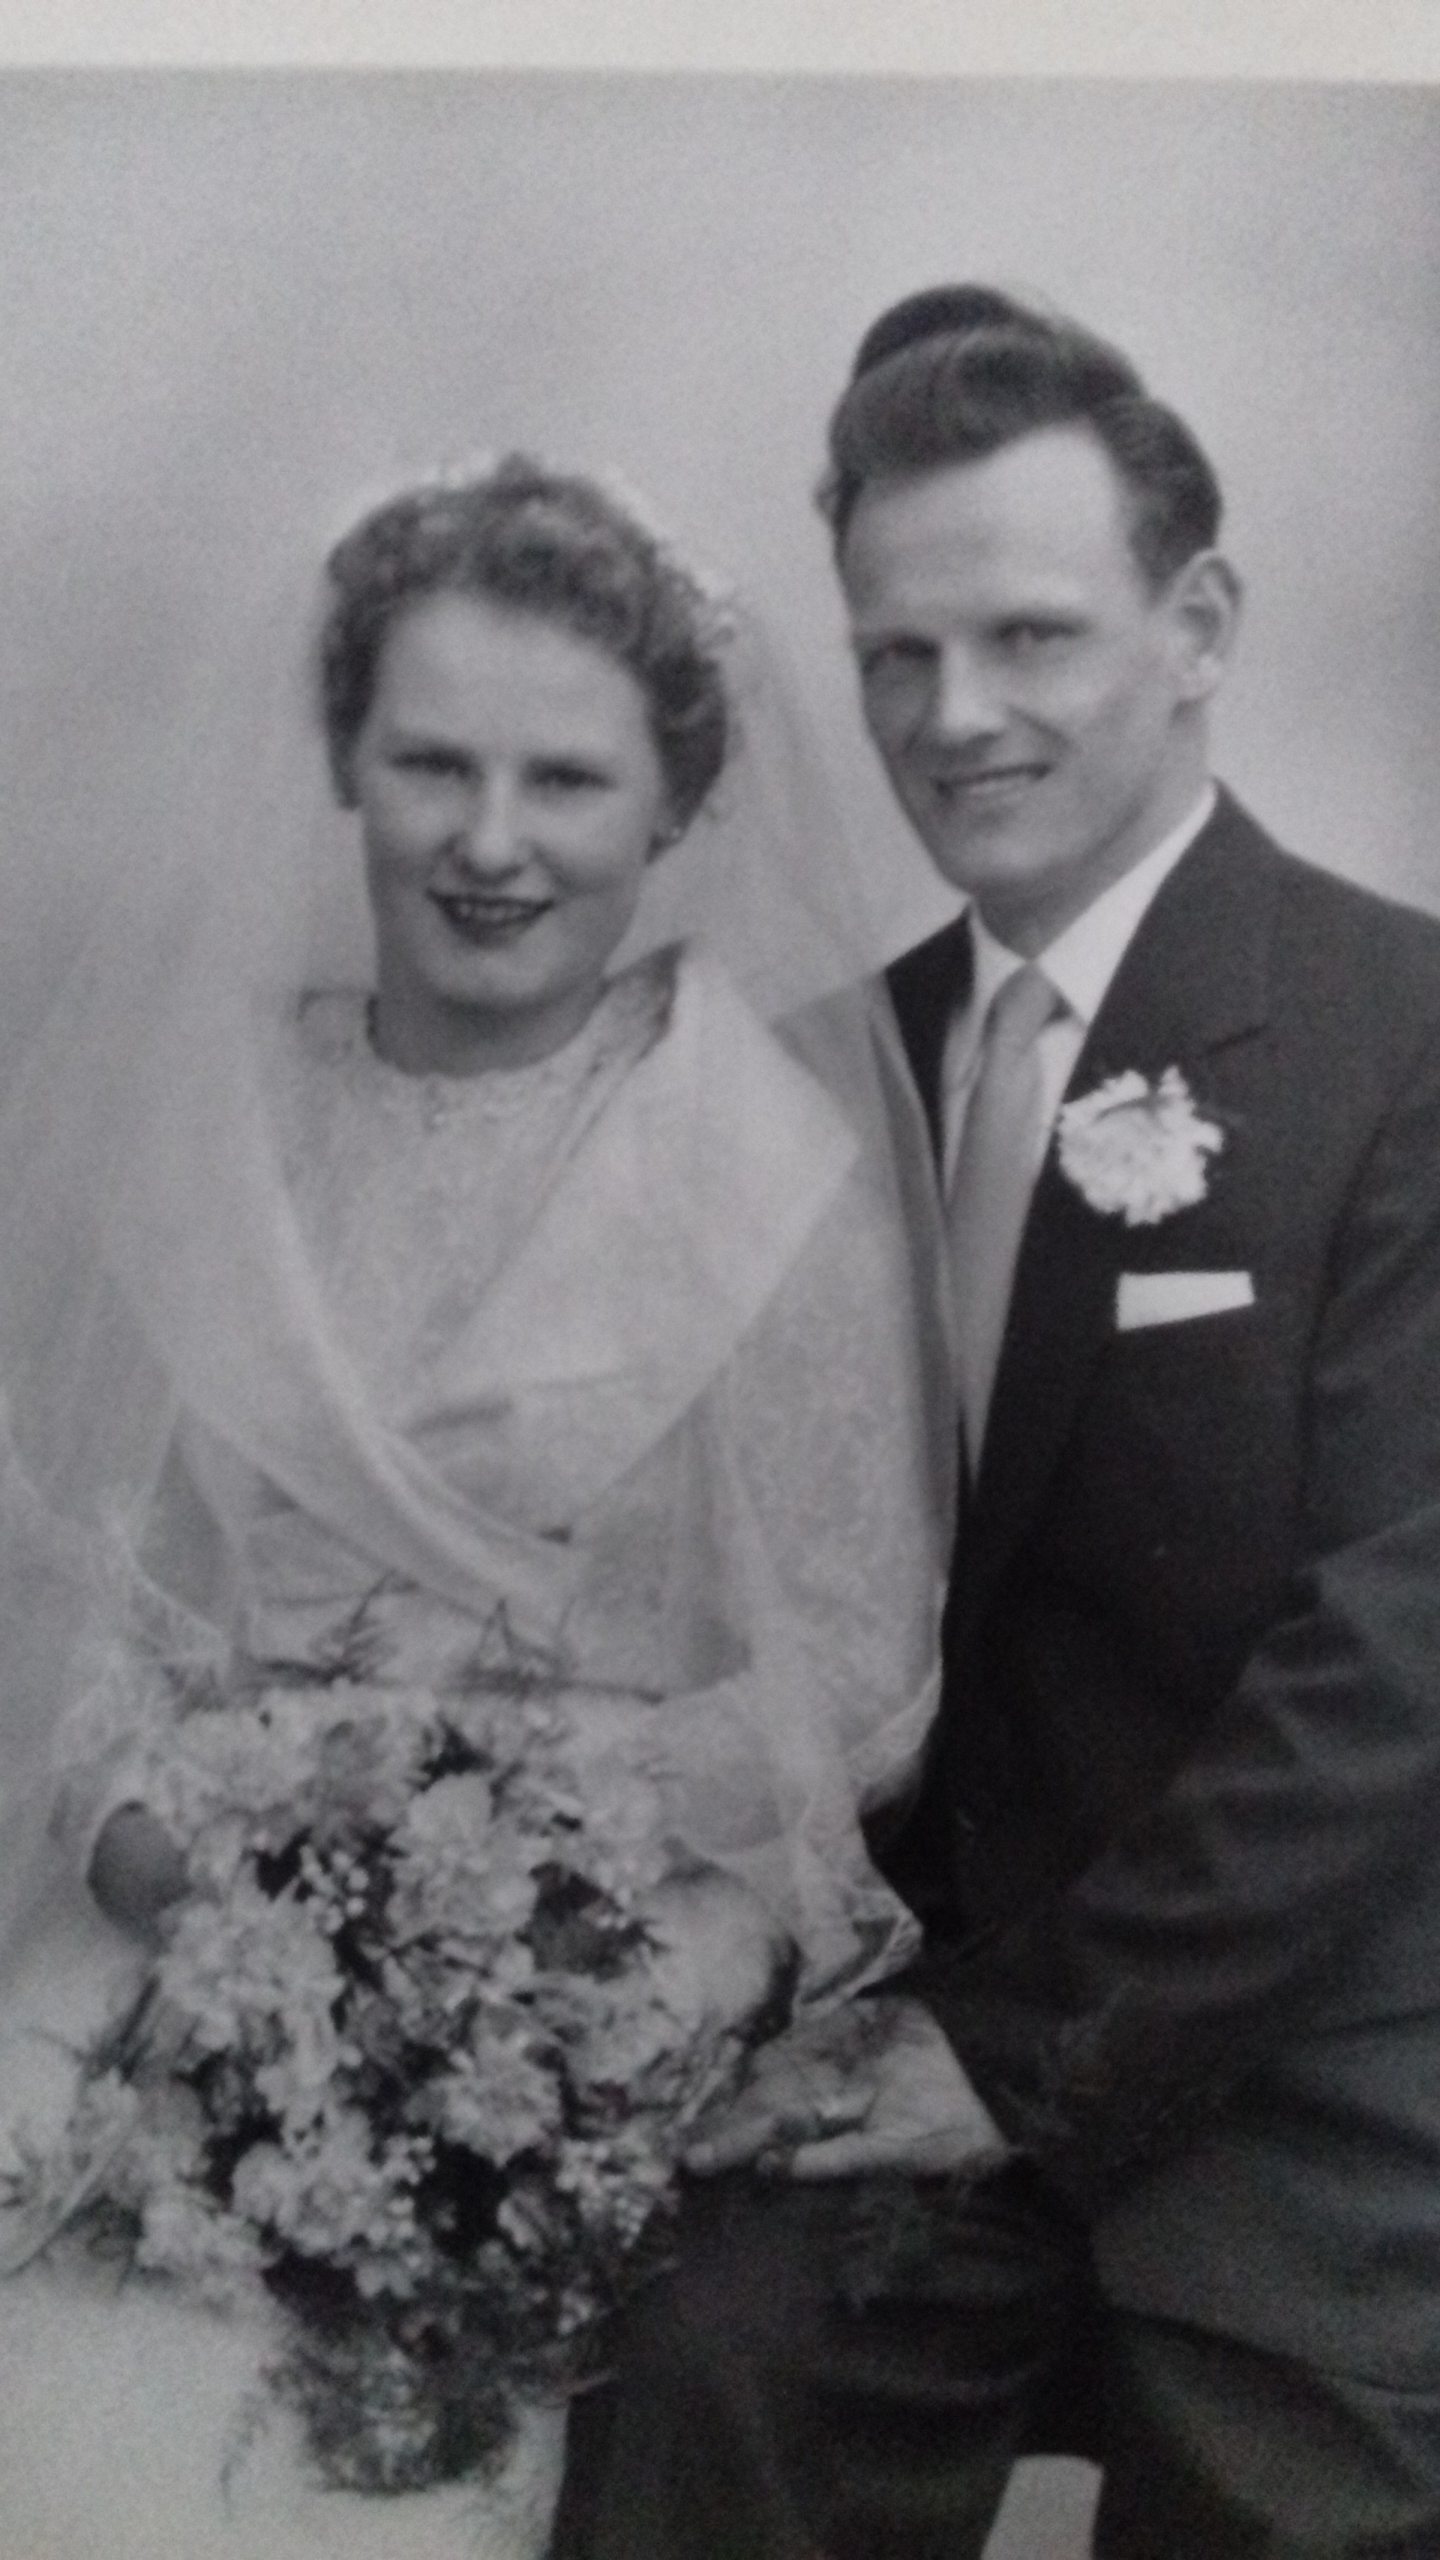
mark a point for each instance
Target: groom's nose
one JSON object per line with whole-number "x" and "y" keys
{"x": 963, "y": 706}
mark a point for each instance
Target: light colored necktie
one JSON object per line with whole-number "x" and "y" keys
{"x": 993, "y": 1179}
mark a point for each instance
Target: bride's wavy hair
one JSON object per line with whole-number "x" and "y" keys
{"x": 542, "y": 543}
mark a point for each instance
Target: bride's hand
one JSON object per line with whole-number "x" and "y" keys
{"x": 721, "y": 1949}
{"x": 136, "y": 1871}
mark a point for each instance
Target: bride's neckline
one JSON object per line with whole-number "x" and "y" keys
{"x": 337, "y": 1024}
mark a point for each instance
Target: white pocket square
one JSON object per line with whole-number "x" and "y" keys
{"x": 1172, "y": 1297}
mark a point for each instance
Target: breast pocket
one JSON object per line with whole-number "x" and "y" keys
{"x": 1147, "y": 1301}
{"x": 1179, "y": 1487}
{"x": 1182, "y": 1398}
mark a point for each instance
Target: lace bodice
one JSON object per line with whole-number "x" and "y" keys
{"x": 413, "y": 1191}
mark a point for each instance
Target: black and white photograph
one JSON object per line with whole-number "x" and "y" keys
{"x": 719, "y": 1312}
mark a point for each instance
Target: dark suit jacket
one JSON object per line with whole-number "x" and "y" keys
{"x": 1179, "y": 1835}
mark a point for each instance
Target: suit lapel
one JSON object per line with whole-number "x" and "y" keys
{"x": 1194, "y": 978}
{"x": 929, "y": 985}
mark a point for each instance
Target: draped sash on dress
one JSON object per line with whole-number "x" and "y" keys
{"x": 677, "y": 1217}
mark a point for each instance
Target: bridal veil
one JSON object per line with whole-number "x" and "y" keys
{"x": 151, "y": 1275}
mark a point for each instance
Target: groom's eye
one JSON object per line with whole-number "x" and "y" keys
{"x": 1027, "y": 635}
{"x": 899, "y": 655}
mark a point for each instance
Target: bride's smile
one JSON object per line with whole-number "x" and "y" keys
{"x": 485, "y": 920}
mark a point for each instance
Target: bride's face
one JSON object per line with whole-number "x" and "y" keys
{"x": 510, "y": 795}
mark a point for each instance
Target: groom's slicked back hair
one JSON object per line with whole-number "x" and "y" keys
{"x": 957, "y": 372}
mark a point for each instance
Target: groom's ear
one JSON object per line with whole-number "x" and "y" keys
{"x": 1203, "y": 603}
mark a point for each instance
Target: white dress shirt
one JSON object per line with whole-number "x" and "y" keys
{"x": 1080, "y": 964}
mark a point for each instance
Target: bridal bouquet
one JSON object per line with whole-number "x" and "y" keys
{"x": 406, "y": 2062}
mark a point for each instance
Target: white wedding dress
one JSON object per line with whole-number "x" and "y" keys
{"x": 639, "y": 1314}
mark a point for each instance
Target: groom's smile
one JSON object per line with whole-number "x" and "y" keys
{"x": 997, "y": 786}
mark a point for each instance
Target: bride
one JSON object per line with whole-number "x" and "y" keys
{"x": 532, "y": 1283}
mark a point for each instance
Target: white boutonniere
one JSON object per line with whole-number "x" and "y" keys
{"x": 1137, "y": 1148}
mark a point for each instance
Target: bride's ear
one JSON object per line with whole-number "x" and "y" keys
{"x": 342, "y": 777}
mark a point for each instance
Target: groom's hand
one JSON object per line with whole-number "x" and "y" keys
{"x": 873, "y": 2087}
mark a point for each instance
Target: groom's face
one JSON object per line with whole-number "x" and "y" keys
{"x": 1030, "y": 692}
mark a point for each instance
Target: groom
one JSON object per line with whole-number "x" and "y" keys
{"x": 1170, "y": 2069}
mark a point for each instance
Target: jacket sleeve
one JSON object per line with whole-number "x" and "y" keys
{"x": 1104, "y": 2028}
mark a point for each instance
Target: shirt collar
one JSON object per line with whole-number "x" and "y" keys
{"x": 1082, "y": 960}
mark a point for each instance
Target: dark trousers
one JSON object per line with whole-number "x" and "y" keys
{"x": 831, "y": 2374}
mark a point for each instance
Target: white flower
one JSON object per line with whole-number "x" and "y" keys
{"x": 501, "y": 2098}
{"x": 259, "y": 1976}
{"x": 622, "y": 1841}
{"x": 450, "y": 1813}
{"x": 184, "y": 2233}
{"x": 369, "y": 1754}
{"x": 460, "y": 1874}
{"x": 1138, "y": 1149}
{"x": 336, "y": 2192}
{"x": 614, "y": 2185}
{"x": 251, "y": 1776}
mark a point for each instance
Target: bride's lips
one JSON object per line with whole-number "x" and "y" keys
{"x": 484, "y": 919}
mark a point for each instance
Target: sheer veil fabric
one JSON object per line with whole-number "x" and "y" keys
{"x": 157, "y": 1299}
